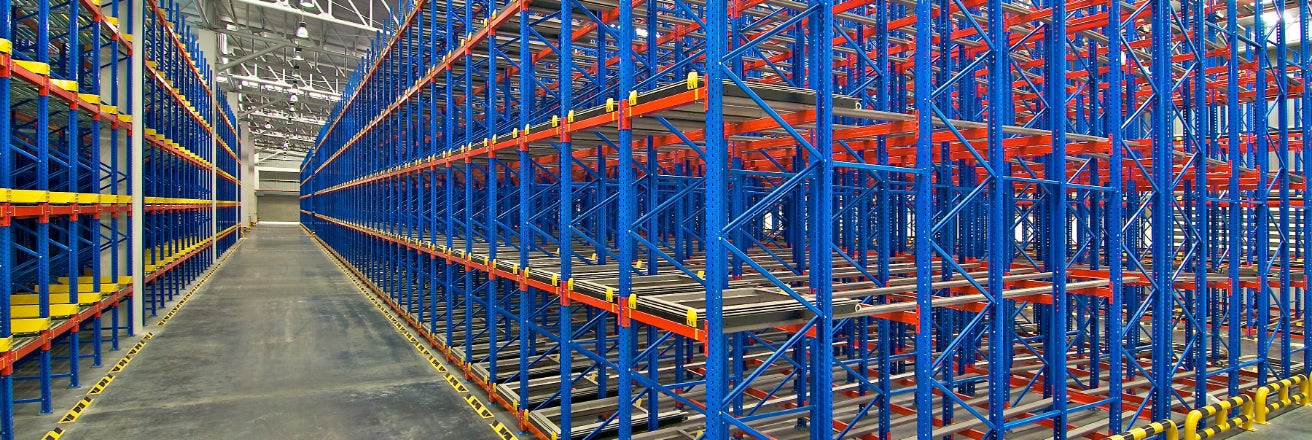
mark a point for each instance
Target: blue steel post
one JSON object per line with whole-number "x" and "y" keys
{"x": 1162, "y": 373}
{"x": 1115, "y": 220}
{"x": 1200, "y": 138}
{"x": 566, "y": 224}
{"x": 1305, "y": 153}
{"x": 998, "y": 242}
{"x": 448, "y": 174}
{"x": 468, "y": 201}
{"x": 73, "y": 158}
{"x": 819, "y": 221}
{"x": 1260, "y": 241}
{"x": 1055, "y": 351}
{"x": 1283, "y": 162}
{"x": 436, "y": 135}
{"x": 628, "y": 206}
{"x": 43, "y": 183}
{"x": 883, "y": 211}
{"x": 1235, "y": 220}
{"x": 6, "y": 236}
{"x": 527, "y": 188}
{"x": 924, "y": 211}
{"x": 493, "y": 203}
{"x": 717, "y": 167}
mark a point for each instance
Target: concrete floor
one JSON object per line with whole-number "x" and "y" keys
{"x": 278, "y": 345}
{"x": 1295, "y": 424}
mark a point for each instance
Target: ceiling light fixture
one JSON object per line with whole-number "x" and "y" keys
{"x": 307, "y": 4}
{"x": 298, "y": 56}
{"x": 302, "y": 31}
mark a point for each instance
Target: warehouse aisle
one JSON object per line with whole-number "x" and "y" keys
{"x": 280, "y": 345}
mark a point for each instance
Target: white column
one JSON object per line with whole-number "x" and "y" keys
{"x": 138, "y": 162}
{"x": 209, "y": 47}
{"x": 249, "y": 175}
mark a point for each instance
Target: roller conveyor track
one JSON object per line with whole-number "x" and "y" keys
{"x": 59, "y": 19}
{"x": 23, "y": 99}
{"x": 847, "y": 405}
{"x": 748, "y": 306}
{"x": 781, "y": 98}
{"x": 606, "y": 270}
{"x": 672, "y": 425}
{"x": 549, "y": 29}
{"x": 546, "y": 380}
{"x": 546, "y": 374}
{"x": 689, "y": 116}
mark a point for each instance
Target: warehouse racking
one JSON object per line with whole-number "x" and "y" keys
{"x": 66, "y": 198}
{"x": 191, "y": 173}
{"x": 856, "y": 219}
{"x": 67, "y": 227}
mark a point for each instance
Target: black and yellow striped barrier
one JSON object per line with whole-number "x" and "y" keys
{"x": 1302, "y": 390}
{"x": 1195, "y": 429}
{"x": 1253, "y": 409}
{"x": 1165, "y": 427}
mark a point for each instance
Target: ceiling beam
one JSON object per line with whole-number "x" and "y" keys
{"x": 274, "y": 154}
{"x": 201, "y": 12}
{"x": 285, "y": 87}
{"x": 324, "y": 17}
{"x": 353, "y": 54}
{"x": 293, "y": 118}
{"x": 250, "y": 56}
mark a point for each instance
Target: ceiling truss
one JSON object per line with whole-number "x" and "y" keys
{"x": 285, "y": 86}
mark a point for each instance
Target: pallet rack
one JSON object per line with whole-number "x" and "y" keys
{"x": 191, "y": 172}
{"x": 66, "y": 224}
{"x": 66, "y": 197}
{"x": 855, "y": 219}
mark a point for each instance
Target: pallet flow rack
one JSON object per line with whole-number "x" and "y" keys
{"x": 65, "y": 216}
{"x": 853, "y": 219}
{"x": 65, "y": 194}
{"x": 191, "y": 172}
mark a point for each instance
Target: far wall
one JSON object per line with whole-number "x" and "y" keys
{"x": 271, "y": 207}
{"x": 277, "y": 196}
